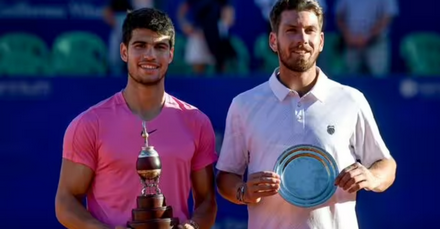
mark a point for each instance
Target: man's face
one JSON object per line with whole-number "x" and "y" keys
{"x": 147, "y": 56}
{"x": 299, "y": 40}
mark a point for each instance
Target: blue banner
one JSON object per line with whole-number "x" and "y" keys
{"x": 35, "y": 113}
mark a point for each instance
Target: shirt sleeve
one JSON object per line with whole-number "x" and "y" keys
{"x": 233, "y": 154}
{"x": 367, "y": 141}
{"x": 79, "y": 143}
{"x": 205, "y": 153}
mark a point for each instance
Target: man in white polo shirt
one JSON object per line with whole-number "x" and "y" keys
{"x": 300, "y": 105}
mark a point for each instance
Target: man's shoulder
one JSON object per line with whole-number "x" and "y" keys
{"x": 91, "y": 115}
{"x": 349, "y": 97}
{"x": 107, "y": 103}
{"x": 254, "y": 95}
{"x": 189, "y": 111}
{"x": 346, "y": 91}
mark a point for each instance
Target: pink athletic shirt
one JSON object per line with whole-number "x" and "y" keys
{"x": 107, "y": 139}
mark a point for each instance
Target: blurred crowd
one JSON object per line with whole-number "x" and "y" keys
{"x": 362, "y": 46}
{"x": 207, "y": 45}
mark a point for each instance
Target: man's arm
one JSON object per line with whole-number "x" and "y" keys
{"x": 202, "y": 174}
{"x": 204, "y": 197}
{"x": 232, "y": 165}
{"x": 385, "y": 171}
{"x": 228, "y": 184}
{"x": 260, "y": 184}
{"x": 232, "y": 161}
{"x": 371, "y": 148}
{"x": 74, "y": 182}
{"x": 378, "y": 178}
{"x": 77, "y": 172}
{"x": 377, "y": 170}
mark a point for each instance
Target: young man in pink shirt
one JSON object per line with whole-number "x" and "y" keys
{"x": 101, "y": 145}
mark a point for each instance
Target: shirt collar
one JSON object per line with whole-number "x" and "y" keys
{"x": 319, "y": 90}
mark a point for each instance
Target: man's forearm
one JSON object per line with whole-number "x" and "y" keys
{"x": 385, "y": 171}
{"x": 72, "y": 214}
{"x": 205, "y": 214}
{"x": 228, "y": 184}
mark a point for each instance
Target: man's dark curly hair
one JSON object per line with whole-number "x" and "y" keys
{"x": 148, "y": 18}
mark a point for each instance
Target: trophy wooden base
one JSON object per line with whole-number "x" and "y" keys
{"x": 152, "y": 213}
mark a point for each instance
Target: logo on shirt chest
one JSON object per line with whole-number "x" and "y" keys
{"x": 330, "y": 129}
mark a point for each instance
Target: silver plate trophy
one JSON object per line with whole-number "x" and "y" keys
{"x": 307, "y": 175}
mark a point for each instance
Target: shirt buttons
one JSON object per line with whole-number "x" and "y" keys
{"x": 299, "y": 105}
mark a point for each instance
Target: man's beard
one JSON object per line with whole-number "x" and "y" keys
{"x": 298, "y": 65}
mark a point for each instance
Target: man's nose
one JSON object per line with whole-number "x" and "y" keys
{"x": 301, "y": 38}
{"x": 149, "y": 53}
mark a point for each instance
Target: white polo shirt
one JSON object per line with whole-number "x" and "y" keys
{"x": 266, "y": 120}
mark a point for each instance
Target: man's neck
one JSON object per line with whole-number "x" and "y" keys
{"x": 145, "y": 101}
{"x": 301, "y": 82}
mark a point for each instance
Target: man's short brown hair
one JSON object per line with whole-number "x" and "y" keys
{"x": 297, "y": 5}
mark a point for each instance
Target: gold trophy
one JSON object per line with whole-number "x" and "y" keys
{"x": 152, "y": 211}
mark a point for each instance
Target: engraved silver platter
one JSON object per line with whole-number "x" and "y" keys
{"x": 307, "y": 175}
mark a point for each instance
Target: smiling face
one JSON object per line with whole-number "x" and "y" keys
{"x": 297, "y": 34}
{"x": 147, "y": 45}
{"x": 147, "y": 55}
{"x": 299, "y": 40}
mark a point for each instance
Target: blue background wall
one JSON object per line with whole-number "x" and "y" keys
{"x": 35, "y": 112}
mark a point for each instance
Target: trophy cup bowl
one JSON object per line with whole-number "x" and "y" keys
{"x": 152, "y": 211}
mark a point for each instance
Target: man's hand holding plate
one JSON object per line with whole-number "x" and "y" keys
{"x": 356, "y": 177}
{"x": 261, "y": 184}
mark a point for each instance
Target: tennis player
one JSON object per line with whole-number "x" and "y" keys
{"x": 299, "y": 104}
{"x": 101, "y": 144}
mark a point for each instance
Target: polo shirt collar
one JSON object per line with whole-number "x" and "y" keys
{"x": 319, "y": 90}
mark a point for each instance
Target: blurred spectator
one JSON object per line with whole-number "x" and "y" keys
{"x": 365, "y": 30}
{"x": 114, "y": 15}
{"x": 206, "y": 24}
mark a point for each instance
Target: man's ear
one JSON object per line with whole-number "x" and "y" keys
{"x": 171, "y": 55}
{"x": 321, "y": 45}
{"x": 273, "y": 44}
{"x": 124, "y": 52}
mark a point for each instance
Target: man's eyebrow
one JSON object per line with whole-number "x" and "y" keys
{"x": 289, "y": 25}
{"x": 164, "y": 41}
{"x": 138, "y": 42}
